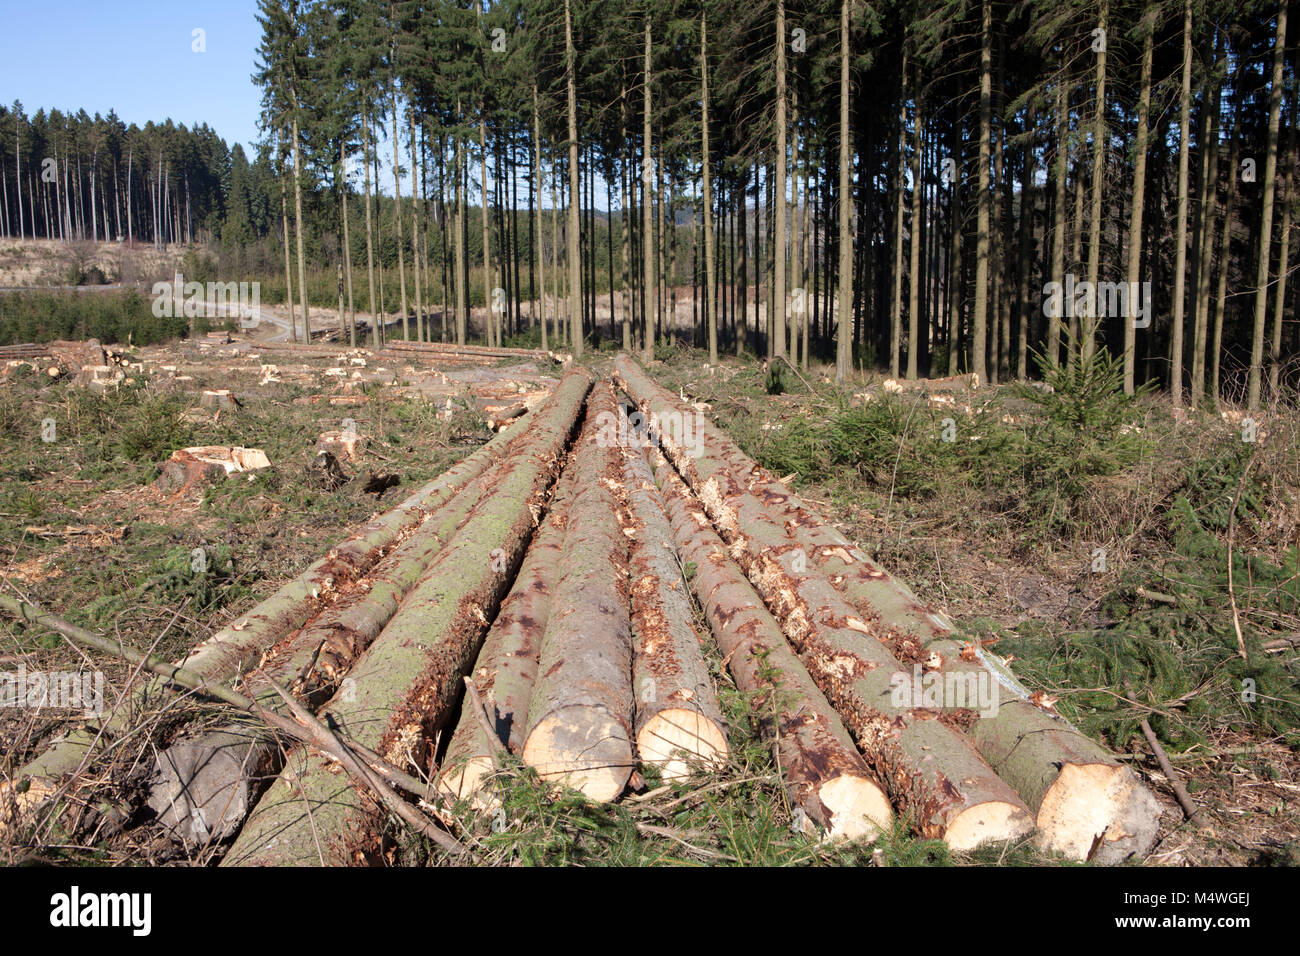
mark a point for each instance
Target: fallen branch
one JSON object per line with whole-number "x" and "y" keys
{"x": 304, "y": 727}
{"x": 1162, "y": 758}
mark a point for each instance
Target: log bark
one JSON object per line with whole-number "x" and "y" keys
{"x": 1079, "y": 792}
{"x": 929, "y": 768}
{"x": 679, "y": 727}
{"x": 507, "y": 666}
{"x": 822, "y": 771}
{"x": 580, "y": 713}
{"x": 408, "y": 681}
{"x": 239, "y": 645}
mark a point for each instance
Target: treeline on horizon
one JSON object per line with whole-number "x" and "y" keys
{"x": 991, "y": 148}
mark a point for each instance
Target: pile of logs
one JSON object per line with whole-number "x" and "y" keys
{"x": 967, "y": 773}
{"x": 531, "y": 605}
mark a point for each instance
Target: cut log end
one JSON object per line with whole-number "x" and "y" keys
{"x": 855, "y": 806}
{"x": 583, "y": 748}
{"x": 993, "y": 821}
{"x": 679, "y": 741}
{"x": 19, "y": 806}
{"x": 467, "y": 780}
{"x": 1098, "y": 811}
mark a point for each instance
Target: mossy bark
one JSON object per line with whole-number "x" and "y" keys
{"x": 236, "y": 647}
{"x": 405, "y": 686}
{"x": 507, "y": 666}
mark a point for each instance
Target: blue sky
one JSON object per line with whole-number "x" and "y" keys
{"x": 135, "y": 57}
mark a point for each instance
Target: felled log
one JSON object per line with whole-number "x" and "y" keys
{"x": 953, "y": 383}
{"x": 405, "y": 685}
{"x": 928, "y": 767}
{"x": 507, "y": 665}
{"x": 1087, "y": 805}
{"x": 450, "y": 348}
{"x": 25, "y": 350}
{"x": 312, "y": 663}
{"x": 822, "y": 771}
{"x": 235, "y": 647}
{"x": 678, "y": 724}
{"x": 580, "y": 713}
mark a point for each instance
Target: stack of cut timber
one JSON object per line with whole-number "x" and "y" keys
{"x": 507, "y": 665}
{"x": 235, "y": 648}
{"x": 406, "y": 684}
{"x": 313, "y": 661}
{"x": 850, "y": 620}
{"x": 449, "y": 349}
{"x": 823, "y": 772}
{"x": 25, "y": 350}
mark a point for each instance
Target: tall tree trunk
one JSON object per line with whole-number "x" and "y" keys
{"x": 1027, "y": 201}
{"x": 288, "y": 281}
{"x": 297, "y": 226}
{"x": 1139, "y": 198}
{"x": 710, "y": 265}
{"x": 575, "y": 266}
{"x": 1180, "y": 261}
{"x": 798, "y": 311}
{"x": 18, "y": 176}
{"x": 997, "y": 239}
{"x": 958, "y": 242}
{"x": 537, "y": 250}
{"x": 896, "y": 302}
{"x": 347, "y": 244}
{"x": 1061, "y": 169}
{"x": 397, "y": 217}
{"x": 370, "y": 239}
{"x": 1266, "y": 217}
{"x": 1285, "y": 198}
{"x": 647, "y": 195}
{"x": 462, "y": 266}
{"x": 661, "y": 299}
{"x": 415, "y": 225}
{"x": 979, "y": 332}
{"x": 844, "y": 330}
{"x": 489, "y": 294}
{"x": 1098, "y": 182}
{"x": 914, "y": 264}
{"x": 1205, "y": 252}
{"x": 777, "y": 303}
{"x": 1225, "y": 251}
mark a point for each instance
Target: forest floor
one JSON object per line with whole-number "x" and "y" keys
{"x": 1024, "y": 529}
